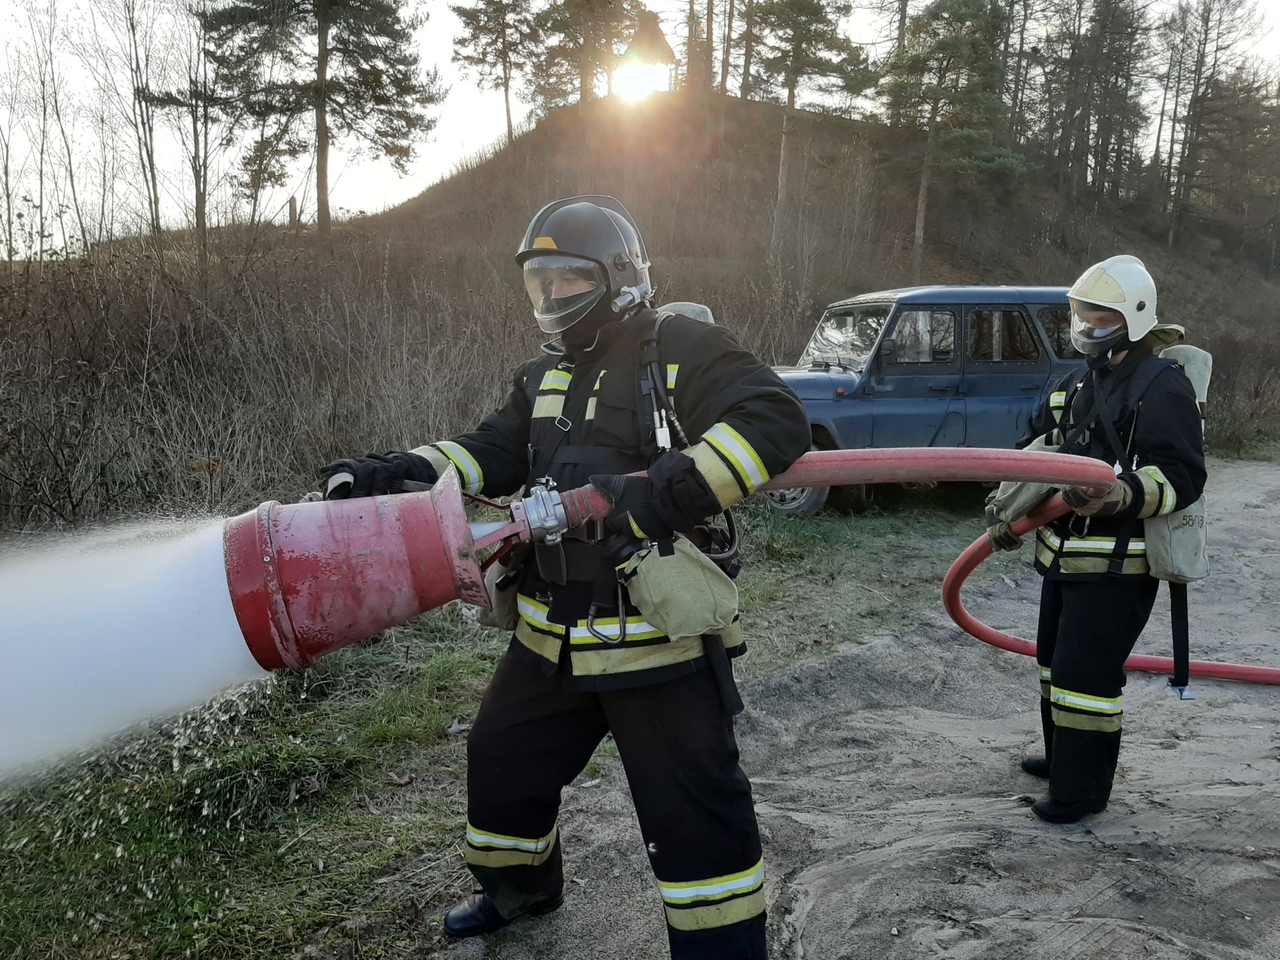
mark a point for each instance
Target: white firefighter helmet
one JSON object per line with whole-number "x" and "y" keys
{"x": 1121, "y": 284}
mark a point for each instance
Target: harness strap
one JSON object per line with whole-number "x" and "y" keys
{"x": 1181, "y": 635}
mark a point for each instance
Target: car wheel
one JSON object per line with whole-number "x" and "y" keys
{"x": 797, "y": 501}
{"x": 853, "y": 497}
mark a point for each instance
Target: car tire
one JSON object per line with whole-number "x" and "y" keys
{"x": 797, "y": 501}
{"x": 853, "y": 497}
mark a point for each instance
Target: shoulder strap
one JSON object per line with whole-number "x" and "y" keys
{"x": 540, "y": 456}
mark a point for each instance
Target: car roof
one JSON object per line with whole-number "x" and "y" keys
{"x": 958, "y": 294}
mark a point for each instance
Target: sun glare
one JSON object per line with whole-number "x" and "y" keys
{"x": 635, "y": 81}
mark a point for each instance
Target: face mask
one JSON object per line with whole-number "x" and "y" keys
{"x": 1091, "y": 340}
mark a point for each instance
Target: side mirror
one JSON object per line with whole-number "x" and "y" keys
{"x": 888, "y": 352}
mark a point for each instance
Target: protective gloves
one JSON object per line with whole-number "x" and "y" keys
{"x": 998, "y": 532}
{"x": 635, "y": 515}
{"x": 1115, "y": 500}
{"x": 375, "y": 475}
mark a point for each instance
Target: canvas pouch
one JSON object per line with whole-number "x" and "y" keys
{"x": 1176, "y": 544}
{"x": 679, "y": 590}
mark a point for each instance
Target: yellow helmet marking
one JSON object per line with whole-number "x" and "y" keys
{"x": 544, "y": 243}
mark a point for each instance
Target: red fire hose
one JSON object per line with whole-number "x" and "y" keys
{"x": 980, "y": 549}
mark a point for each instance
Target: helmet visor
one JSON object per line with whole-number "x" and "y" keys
{"x": 1095, "y": 330}
{"x": 563, "y": 289}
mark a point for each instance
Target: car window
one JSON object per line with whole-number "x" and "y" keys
{"x": 1003, "y": 336}
{"x": 1057, "y": 324}
{"x": 846, "y": 334}
{"x": 925, "y": 336}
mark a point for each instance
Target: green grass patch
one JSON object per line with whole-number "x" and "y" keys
{"x": 325, "y": 807}
{"x": 241, "y": 828}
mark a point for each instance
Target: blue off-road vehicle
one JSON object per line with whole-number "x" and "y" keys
{"x": 927, "y": 367}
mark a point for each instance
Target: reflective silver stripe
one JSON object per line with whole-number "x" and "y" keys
{"x": 716, "y": 888}
{"x": 1089, "y": 544}
{"x": 472, "y": 475}
{"x": 637, "y": 629}
{"x": 740, "y": 455}
{"x": 478, "y": 838}
{"x": 537, "y": 615}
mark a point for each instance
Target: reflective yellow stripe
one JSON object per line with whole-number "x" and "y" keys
{"x": 713, "y": 915}
{"x": 1089, "y": 563}
{"x": 606, "y": 660}
{"x": 591, "y": 409}
{"x": 434, "y": 457}
{"x": 472, "y": 475}
{"x": 1058, "y": 398}
{"x": 495, "y": 850}
{"x": 1084, "y": 701}
{"x": 739, "y": 454}
{"x": 1158, "y": 495}
{"x": 1094, "y": 722}
{"x": 550, "y": 406}
{"x": 722, "y": 481}
{"x": 1090, "y": 544}
{"x": 637, "y": 629}
{"x": 556, "y": 380}
{"x": 716, "y": 888}
{"x": 537, "y": 614}
{"x": 672, "y": 370}
{"x": 548, "y": 648}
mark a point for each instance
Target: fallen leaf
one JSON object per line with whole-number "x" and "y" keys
{"x": 456, "y": 728}
{"x": 400, "y": 779}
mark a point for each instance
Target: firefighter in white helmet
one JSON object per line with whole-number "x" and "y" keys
{"x": 1138, "y": 412}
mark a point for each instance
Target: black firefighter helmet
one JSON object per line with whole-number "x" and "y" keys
{"x": 581, "y": 252}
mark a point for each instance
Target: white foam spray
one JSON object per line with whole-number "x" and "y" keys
{"x": 103, "y": 631}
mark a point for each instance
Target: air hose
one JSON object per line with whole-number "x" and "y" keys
{"x": 1051, "y": 509}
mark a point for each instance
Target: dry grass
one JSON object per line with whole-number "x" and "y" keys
{"x": 131, "y": 387}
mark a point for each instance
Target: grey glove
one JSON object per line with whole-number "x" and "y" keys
{"x": 998, "y": 532}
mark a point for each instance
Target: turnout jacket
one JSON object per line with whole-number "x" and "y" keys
{"x": 568, "y": 418}
{"x": 1163, "y": 460}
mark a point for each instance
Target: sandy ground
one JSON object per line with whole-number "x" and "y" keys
{"x": 897, "y": 822}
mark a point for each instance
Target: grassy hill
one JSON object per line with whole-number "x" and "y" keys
{"x": 130, "y": 384}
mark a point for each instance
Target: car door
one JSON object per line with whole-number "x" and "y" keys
{"x": 1006, "y": 368}
{"x": 915, "y": 381}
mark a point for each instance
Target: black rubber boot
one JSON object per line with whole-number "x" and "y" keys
{"x": 1036, "y": 766}
{"x": 478, "y": 915}
{"x": 1055, "y": 811}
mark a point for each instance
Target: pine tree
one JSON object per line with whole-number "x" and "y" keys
{"x": 947, "y": 83}
{"x": 499, "y": 42}
{"x": 583, "y": 39}
{"x": 349, "y": 63}
{"x": 800, "y": 41}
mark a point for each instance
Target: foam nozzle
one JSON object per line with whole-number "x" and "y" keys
{"x": 310, "y": 578}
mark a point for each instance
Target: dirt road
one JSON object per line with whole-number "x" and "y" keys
{"x": 897, "y": 822}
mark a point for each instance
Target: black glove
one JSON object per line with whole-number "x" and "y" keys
{"x": 998, "y": 532}
{"x": 375, "y": 475}
{"x": 635, "y": 507}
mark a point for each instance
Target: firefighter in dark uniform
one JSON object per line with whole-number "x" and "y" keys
{"x": 583, "y": 662}
{"x": 1097, "y": 593}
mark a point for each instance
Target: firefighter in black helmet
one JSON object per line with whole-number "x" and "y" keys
{"x": 583, "y": 661}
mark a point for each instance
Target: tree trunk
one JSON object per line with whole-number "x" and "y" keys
{"x": 506, "y": 100}
{"x": 710, "y": 46}
{"x": 780, "y": 207}
{"x": 322, "y": 120}
{"x": 922, "y": 202}
{"x": 728, "y": 50}
{"x": 748, "y": 47}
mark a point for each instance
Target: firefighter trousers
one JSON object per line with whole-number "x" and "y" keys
{"x": 1086, "y": 631}
{"x": 532, "y": 737}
